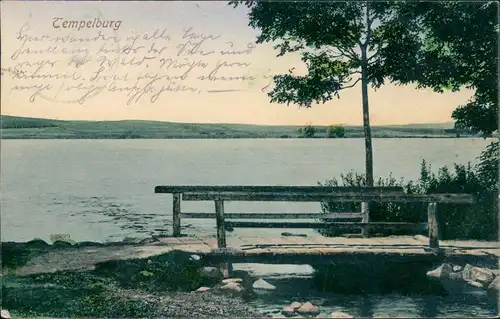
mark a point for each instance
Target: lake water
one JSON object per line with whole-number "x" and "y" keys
{"x": 102, "y": 190}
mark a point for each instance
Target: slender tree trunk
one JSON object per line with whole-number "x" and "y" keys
{"x": 366, "y": 112}
{"x": 366, "y": 119}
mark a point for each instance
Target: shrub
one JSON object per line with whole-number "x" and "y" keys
{"x": 335, "y": 131}
{"x": 456, "y": 221}
{"x": 308, "y": 131}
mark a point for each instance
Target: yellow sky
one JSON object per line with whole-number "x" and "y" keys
{"x": 182, "y": 22}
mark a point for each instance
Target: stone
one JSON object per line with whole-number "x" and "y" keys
{"x": 296, "y": 305}
{"x": 340, "y": 314}
{"x": 61, "y": 244}
{"x": 442, "y": 271}
{"x": 37, "y": 243}
{"x": 263, "y": 285}
{"x": 495, "y": 284}
{"x": 195, "y": 257}
{"x": 456, "y": 275}
{"x": 475, "y": 283}
{"x": 5, "y": 314}
{"x": 210, "y": 272}
{"x": 228, "y": 280}
{"x": 308, "y": 309}
{"x": 457, "y": 268}
{"x": 148, "y": 240}
{"x": 88, "y": 244}
{"x": 233, "y": 287}
{"x": 288, "y": 311}
{"x": 202, "y": 289}
{"x": 482, "y": 275}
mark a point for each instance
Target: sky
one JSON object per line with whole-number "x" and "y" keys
{"x": 98, "y": 80}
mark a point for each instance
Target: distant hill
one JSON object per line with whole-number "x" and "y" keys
{"x": 14, "y": 127}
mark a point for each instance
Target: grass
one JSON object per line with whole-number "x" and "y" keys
{"x": 13, "y": 127}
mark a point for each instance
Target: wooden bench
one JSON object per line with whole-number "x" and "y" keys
{"x": 364, "y": 195}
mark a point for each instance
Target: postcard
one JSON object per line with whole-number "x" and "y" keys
{"x": 249, "y": 159}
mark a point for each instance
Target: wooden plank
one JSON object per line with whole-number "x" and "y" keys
{"x": 221, "y": 230}
{"x": 176, "y": 218}
{"x": 272, "y": 189}
{"x": 325, "y": 197}
{"x": 341, "y": 225}
{"x": 433, "y": 226}
{"x": 227, "y": 216}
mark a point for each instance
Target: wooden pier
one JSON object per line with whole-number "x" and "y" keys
{"x": 319, "y": 249}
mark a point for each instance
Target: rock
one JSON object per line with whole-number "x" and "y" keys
{"x": 202, "y": 289}
{"x": 288, "y": 311}
{"x": 295, "y": 305}
{"x": 495, "y": 284}
{"x": 210, "y": 272}
{"x": 37, "y": 243}
{"x": 482, "y": 275}
{"x": 131, "y": 240}
{"x": 61, "y": 244}
{"x": 340, "y": 314}
{"x": 308, "y": 309}
{"x": 195, "y": 257}
{"x": 457, "y": 268}
{"x": 228, "y": 280}
{"x": 88, "y": 244}
{"x": 456, "y": 275}
{"x": 233, "y": 287}
{"x": 5, "y": 314}
{"x": 442, "y": 271}
{"x": 475, "y": 283}
{"x": 149, "y": 240}
{"x": 263, "y": 285}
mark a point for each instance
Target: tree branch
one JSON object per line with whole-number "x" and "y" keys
{"x": 350, "y": 86}
{"x": 374, "y": 55}
{"x": 348, "y": 53}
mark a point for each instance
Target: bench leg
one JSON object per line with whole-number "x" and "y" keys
{"x": 433, "y": 226}
{"x": 365, "y": 210}
{"x": 176, "y": 212}
{"x": 226, "y": 267}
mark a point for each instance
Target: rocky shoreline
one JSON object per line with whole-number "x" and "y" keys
{"x": 478, "y": 277}
{"x": 154, "y": 283}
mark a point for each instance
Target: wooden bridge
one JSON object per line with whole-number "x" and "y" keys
{"x": 317, "y": 249}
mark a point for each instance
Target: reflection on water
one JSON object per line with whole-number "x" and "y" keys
{"x": 291, "y": 289}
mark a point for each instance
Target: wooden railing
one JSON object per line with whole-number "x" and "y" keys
{"x": 364, "y": 195}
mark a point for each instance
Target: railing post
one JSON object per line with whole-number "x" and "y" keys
{"x": 176, "y": 215}
{"x": 365, "y": 210}
{"x": 219, "y": 219}
{"x": 433, "y": 226}
{"x": 226, "y": 267}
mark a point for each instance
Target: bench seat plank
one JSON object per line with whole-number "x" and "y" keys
{"x": 342, "y": 225}
{"x": 273, "y": 215}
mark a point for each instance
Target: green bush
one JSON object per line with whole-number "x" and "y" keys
{"x": 456, "y": 221}
{"x": 307, "y": 132}
{"x": 335, "y": 131}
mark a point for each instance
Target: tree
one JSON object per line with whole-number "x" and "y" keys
{"x": 455, "y": 45}
{"x": 308, "y": 131}
{"x": 458, "y": 48}
{"x": 335, "y": 131}
{"x": 341, "y": 43}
